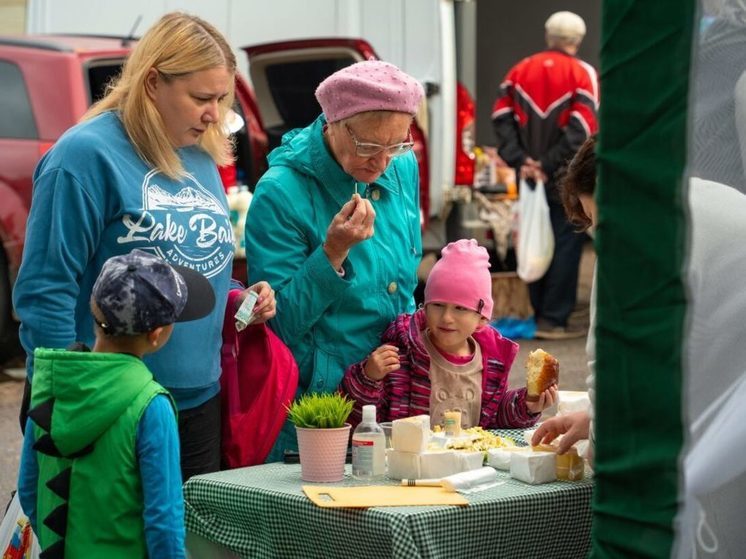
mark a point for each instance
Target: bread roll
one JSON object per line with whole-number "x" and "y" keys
{"x": 542, "y": 371}
{"x": 544, "y": 448}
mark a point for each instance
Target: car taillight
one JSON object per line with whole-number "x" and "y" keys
{"x": 228, "y": 175}
{"x": 423, "y": 163}
{"x": 465, "y": 113}
{"x": 44, "y": 147}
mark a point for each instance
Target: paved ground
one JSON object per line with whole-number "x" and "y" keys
{"x": 571, "y": 355}
{"x": 10, "y": 435}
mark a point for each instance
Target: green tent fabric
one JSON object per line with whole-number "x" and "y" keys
{"x": 641, "y": 241}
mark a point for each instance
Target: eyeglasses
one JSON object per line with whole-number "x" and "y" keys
{"x": 365, "y": 149}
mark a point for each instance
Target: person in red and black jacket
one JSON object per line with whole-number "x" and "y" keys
{"x": 546, "y": 109}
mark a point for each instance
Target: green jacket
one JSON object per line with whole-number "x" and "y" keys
{"x": 329, "y": 321}
{"x": 85, "y": 408}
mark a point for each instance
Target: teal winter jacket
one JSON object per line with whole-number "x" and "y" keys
{"x": 328, "y": 321}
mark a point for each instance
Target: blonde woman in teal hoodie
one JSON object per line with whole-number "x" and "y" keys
{"x": 140, "y": 172}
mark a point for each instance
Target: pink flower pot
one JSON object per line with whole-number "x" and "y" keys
{"x": 322, "y": 453}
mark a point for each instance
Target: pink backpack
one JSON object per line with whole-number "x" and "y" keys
{"x": 259, "y": 379}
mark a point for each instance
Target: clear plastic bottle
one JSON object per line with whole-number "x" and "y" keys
{"x": 368, "y": 447}
{"x": 241, "y": 203}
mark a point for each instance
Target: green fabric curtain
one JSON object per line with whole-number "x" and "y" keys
{"x": 645, "y": 57}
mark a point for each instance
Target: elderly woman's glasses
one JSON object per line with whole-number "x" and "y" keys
{"x": 365, "y": 149}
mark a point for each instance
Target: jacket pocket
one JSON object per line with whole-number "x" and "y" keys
{"x": 327, "y": 371}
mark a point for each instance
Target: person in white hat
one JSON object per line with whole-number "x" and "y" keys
{"x": 545, "y": 111}
{"x": 564, "y": 30}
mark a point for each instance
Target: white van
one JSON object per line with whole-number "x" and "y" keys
{"x": 291, "y": 45}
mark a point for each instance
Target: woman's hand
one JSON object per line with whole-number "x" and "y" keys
{"x": 353, "y": 224}
{"x": 574, "y": 427}
{"x": 546, "y": 400}
{"x": 265, "y": 306}
{"x": 384, "y": 360}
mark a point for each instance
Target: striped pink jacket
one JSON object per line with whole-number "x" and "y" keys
{"x": 406, "y": 392}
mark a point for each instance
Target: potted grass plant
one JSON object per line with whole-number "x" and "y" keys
{"x": 323, "y": 433}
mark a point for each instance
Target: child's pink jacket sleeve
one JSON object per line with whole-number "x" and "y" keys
{"x": 505, "y": 409}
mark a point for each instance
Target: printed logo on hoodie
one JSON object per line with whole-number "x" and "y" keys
{"x": 184, "y": 223}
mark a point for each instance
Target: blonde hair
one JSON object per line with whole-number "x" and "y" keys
{"x": 177, "y": 45}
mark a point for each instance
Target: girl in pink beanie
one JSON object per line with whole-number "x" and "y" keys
{"x": 445, "y": 356}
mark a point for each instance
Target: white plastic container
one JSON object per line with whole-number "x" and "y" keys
{"x": 368, "y": 447}
{"x": 239, "y": 202}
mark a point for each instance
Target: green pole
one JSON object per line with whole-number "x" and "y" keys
{"x": 645, "y": 58}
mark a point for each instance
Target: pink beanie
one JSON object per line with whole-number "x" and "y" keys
{"x": 371, "y": 85}
{"x": 462, "y": 277}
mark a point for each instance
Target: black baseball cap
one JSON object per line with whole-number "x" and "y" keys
{"x": 139, "y": 292}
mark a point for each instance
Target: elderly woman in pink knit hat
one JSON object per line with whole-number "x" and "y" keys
{"x": 446, "y": 356}
{"x": 335, "y": 224}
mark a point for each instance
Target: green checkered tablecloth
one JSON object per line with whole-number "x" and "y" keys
{"x": 262, "y": 512}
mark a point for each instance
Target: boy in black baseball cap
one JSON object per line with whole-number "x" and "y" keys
{"x": 103, "y": 429}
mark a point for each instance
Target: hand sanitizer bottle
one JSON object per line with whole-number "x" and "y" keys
{"x": 368, "y": 447}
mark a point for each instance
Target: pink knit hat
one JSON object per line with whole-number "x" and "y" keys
{"x": 462, "y": 277}
{"x": 371, "y": 85}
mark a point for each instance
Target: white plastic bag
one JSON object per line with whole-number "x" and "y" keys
{"x": 535, "y": 242}
{"x": 16, "y": 536}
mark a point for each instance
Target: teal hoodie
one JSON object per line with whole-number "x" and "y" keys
{"x": 328, "y": 321}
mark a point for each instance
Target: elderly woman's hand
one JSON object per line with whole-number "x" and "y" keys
{"x": 353, "y": 224}
{"x": 265, "y": 306}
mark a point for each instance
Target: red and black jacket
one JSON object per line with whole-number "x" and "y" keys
{"x": 546, "y": 110}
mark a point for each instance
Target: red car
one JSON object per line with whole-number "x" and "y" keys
{"x": 47, "y": 82}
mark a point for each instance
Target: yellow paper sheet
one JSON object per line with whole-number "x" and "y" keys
{"x": 381, "y": 496}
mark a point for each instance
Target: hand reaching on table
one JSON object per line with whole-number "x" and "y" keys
{"x": 574, "y": 427}
{"x": 383, "y": 360}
